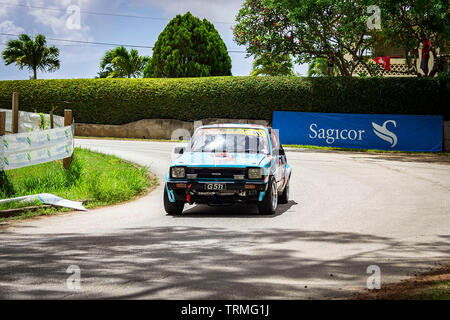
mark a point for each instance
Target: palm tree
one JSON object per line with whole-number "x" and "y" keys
{"x": 318, "y": 68}
{"x": 119, "y": 63}
{"x": 34, "y": 55}
{"x": 270, "y": 65}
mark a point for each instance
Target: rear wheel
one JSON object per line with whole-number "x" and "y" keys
{"x": 284, "y": 198}
{"x": 172, "y": 208}
{"x": 269, "y": 203}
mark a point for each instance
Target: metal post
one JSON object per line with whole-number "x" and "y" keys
{"x": 67, "y": 122}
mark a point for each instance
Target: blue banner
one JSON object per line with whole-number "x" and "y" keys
{"x": 361, "y": 131}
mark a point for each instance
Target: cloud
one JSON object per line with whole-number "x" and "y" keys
{"x": 63, "y": 17}
{"x": 7, "y": 9}
{"x": 9, "y": 27}
{"x": 213, "y": 10}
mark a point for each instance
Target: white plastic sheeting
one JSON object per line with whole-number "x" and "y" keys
{"x": 29, "y": 121}
{"x": 30, "y": 148}
{"x": 48, "y": 198}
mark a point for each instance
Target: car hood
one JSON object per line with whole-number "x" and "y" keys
{"x": 219, "y": 159}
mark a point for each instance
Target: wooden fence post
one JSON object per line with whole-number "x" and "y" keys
{"x": 52, "y": 122}
{"x": 2, "y": 123}
{"x": 67, "y": 122}
{"x": 15, "y": 113}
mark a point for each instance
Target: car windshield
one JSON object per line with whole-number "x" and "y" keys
{"x": 236, "y": 140}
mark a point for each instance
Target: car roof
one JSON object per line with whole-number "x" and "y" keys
{"x": 234, "y": 125}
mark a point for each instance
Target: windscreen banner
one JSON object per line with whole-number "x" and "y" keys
{"x": 360, "y": 131}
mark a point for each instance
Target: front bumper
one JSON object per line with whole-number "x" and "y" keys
{"x": 194, "y": 191}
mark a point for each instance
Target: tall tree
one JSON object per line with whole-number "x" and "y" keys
{"x": 32, "y": 54}
{"x": 404, "y": 21}
{"x": 308, "y": 29}
{"x": 119, "y": 63}
{"x": 270, "y": 65}
{"x": 189, "y": 47}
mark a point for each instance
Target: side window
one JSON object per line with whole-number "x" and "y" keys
{"x": 274, "y": 139}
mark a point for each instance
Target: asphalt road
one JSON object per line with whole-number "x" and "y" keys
{"x": 347, "y": 211}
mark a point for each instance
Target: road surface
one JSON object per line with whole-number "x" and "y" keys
{"x": 348, "y": 211}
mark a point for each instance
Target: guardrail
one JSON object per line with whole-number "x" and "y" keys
{"x": 28, "y": 144}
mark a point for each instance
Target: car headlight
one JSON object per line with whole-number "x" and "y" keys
{"x": 177, "y": 172}
{"x": 255, "y": 173}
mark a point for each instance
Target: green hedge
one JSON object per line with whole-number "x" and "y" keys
{"x": 119, "y": 101}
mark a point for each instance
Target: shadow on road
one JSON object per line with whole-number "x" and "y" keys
{"x": 234, "y": 211}
{"x": 203, "y": 263}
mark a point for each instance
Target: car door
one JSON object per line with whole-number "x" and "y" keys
{"x": 280, "y": 159}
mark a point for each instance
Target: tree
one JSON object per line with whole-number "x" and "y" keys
{"x": 270, "y": 65}
{"x": 148, "y": 70}
{"x": 405, "y": 20}
{"x": 308, "y": 29}
{"x": 190, "y": 47}
{"x": 317, "y": 68}
{"x": 119, "y": 63}
{"x": 32, "y": 54}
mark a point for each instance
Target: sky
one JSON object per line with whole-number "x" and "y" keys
{"x": 59, "y": 19}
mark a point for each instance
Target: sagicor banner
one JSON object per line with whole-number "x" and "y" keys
{"x": 29, "y": 148}
{"x": 361, "y": 131}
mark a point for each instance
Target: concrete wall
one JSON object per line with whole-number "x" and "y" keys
{"x": 148, "y": 129}
{"x": 151, "y": 128}
{"x": 446, "y": 141}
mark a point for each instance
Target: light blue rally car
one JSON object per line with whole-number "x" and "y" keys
{"x": 229, "y": 163}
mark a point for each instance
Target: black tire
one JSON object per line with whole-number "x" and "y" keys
{"x": 284, "y": 198}
{"x": 172, "y": 208}
{"x": 269, "y": 203}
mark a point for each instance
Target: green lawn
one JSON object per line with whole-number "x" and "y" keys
{"x": 95, "y": 178}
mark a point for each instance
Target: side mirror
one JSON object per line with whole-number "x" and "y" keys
{"x": 281, "y": 152}
{"x": 179, "y": 150}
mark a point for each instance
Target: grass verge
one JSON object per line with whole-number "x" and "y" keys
{"x": 96, "y": 179}
{"x": 364, "y": 150}
{"x": 432, "y": 285}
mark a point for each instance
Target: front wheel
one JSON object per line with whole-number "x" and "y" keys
{"x": 172, "y": 208}
{"x": 269, "y": 203}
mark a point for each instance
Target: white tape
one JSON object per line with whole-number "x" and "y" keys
{"x": 30, "y": 148}
{"x": 30, "y": 121}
